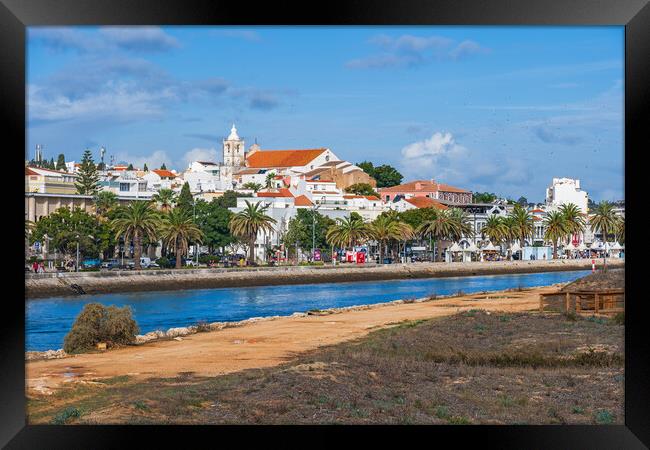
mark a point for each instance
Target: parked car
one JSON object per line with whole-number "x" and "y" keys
{"x": 145, "y": 263}
{"x": 110, "y": 264}
{"x": 91, "y": 263}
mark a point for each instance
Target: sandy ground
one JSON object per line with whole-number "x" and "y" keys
{"x": 259, "y": 344}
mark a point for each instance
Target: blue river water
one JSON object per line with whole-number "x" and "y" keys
{"x": 48, "y": 320}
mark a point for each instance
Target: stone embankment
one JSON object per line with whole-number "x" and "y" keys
{"x": 69, "y": 284}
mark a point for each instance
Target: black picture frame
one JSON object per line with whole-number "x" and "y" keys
{"x": 16, "y": 15}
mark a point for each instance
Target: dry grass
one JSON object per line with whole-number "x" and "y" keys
{"x": 471, "y": 368}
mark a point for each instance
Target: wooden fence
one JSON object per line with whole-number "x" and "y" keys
{"x": 605, "y": 301}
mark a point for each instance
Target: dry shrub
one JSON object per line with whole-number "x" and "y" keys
{"x": 97, "y": 323}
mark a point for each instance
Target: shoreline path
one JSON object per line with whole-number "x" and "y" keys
{"x": 259, "y": 344}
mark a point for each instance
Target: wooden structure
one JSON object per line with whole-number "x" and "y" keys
{"x": 603, "y": 301}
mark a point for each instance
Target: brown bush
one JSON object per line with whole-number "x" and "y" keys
{"x": 97, "y": 323}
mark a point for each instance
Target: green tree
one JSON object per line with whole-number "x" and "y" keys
{"x": 620, "y": 231}
{"x": 441, "y": 227}
{"x": 574, "y": 220}
{"x": 252, "y": 186}
{"x": 347, "y": 232}
{"x": 554, "y": 229}
{"x": 101, "y": 166}
{"x": 386, "y": 228}
{"x": 145, "y": 168}
{"x": 163, "y": 167}
{"x": 299, "y": 230}
{"x": 229, "y": 199}
{"x": 462, "y": 226}
{"x": 523, "y": 201}
{"x": 60, "y": 163}
{"x": 385, "y": 175}
{"x": 483, "y": 197}
{"x": 178, "y": 229}
{"x": 165, "y": 199}
{"x": 494, "y": 229}
{"x": 65, "y": 227}
{"x": 213, "y": 220}
{"x": 185, "y": 199}
{"x": 88, "y": 178}
{"x": 361, "y": 189}
{"x": 522, "y": 224}
{"x": 135, "y": 221}
{"x": 268, "y": 182}
{"x": 416, "y": 217}
{"x": 605, "y": 221}
{"x": 248, "y": 223}
{"x": 130, "y": 167}
{"x": 105, "y": 201}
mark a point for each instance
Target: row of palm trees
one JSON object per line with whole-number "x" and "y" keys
{"x": 451, "y": 224}
{"x": 175, "y": 227}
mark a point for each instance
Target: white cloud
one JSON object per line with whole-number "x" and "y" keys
{"x": 153, "y": 161}
{"x": 199, "y": 154}
{"x": 440, "y": 157}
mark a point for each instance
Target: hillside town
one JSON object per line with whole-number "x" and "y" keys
{"x": 302, "y": 196}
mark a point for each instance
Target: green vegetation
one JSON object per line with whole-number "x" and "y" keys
{"x": 362, "y": 189}
{"x": 135, "y": 221}
{"x": 385, "y": 175}
{"x": 248, "y": 223}
{"x": 88, "y": 178}
{"x": 177, "y": 230}
{"x": 97, "y": 323}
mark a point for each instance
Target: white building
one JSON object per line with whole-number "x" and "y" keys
{"x": 563, "y": 191}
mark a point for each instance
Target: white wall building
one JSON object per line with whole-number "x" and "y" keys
{"x": 563, "y": 191}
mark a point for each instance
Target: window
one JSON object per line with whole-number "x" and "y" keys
{"x": 125, "y": 187}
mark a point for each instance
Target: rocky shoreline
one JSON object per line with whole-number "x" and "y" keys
{"x": 178, "y": 333}
{"x": 72, "y": 284}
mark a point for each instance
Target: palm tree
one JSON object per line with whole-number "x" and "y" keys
{"x": 135, "y": 221}
{"x": 573, "y": 218}
{"x": 605, "y": 221}
{"x": 347, "y": 232}
{"x": 248, "y": 223}
{"x": 252, "y": 186}
{"x": 494, "y": 229}
{"x": 442, "y": 226}
{"x": 29, "y": 227}
{"x": 105, "y": 201}
{"x": 177, "y": 229}
{"x": 555, "y": 229}
{"x": 620, "y": 231}
{"x": 268, "y": 182}
{"x": 387, "y": 227}
{"x": 522, "y": 223}
{"x": 462, "y": 225}
{"x": 510, "y": 232}
{"x": 165, "y": 198}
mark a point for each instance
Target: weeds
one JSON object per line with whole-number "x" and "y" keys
{"x": 442, "y": 412}
{"x": 578, "y": 410}
{"x": 619, "y": 319}
{"x": 64, "y": 416}
{"x": 571, "y": 316}
{"x": 459, "y": 420}
{"x": 604, "y": 417}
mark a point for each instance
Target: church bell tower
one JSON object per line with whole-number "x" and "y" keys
{"x": 233, "y": 150}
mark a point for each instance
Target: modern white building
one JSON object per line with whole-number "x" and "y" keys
{"x": 563, "y": 191}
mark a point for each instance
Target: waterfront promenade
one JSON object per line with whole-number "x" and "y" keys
{"x": 61, "y": 284}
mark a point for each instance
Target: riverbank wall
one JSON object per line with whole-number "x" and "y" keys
{"x": 103, "y": 282}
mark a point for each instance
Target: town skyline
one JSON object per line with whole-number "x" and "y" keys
{"x": 145, "y": 95}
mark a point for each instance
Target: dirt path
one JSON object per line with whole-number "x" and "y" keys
{"x": 260, "y": 344}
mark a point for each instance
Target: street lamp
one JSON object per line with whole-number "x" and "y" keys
{"x": 313, "y": 226}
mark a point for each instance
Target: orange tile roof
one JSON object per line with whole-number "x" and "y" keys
{"x": 324, "y": 192}
{"x": 164, "y": 173}
{"x": 352, "y": 196}
{"x": 425, "y": 202}
{"x": 303, "y": 200}
{"x": 372, "y": 197}
{"x": 425, "y": 186}
{"x": 282, "y": 192}
{"x": 537, "y": 210}
{"x": 283, "y": 158}
{"x": 29, "y": 171}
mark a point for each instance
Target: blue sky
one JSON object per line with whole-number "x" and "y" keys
{"x": 502, "y": 109}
